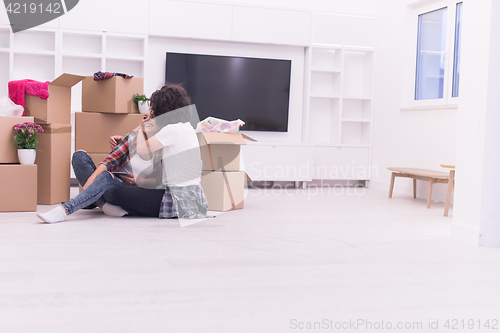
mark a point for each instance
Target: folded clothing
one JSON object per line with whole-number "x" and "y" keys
{"x": 18, "y": 88}
{"x": 99, "y": 76}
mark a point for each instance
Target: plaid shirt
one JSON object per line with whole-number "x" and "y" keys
{"x": 187, "y": 202}
{"x": 120, "y": 155}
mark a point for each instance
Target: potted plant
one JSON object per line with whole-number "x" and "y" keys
{"x": 27, "y": 142}
{"x": 141, "y": 103}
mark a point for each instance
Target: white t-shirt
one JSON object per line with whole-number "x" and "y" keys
{"x": 181, "y": 155}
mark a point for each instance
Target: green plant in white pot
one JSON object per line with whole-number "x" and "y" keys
{"x": 141, "y": 103}
{"x": 26, "y": 140}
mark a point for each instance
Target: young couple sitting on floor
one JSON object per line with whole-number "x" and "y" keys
{"x": 154, "y": 171}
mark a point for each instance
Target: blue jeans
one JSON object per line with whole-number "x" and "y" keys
{"x": 99, "y": 192}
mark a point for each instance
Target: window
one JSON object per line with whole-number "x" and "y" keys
{"x": 431, "y": 54}
{"x": 437, "y": 61}
{"x": 458, "y": 43}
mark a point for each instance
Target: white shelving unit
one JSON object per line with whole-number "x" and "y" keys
{"x": 339, "y": 103}
{"x": 44, "y": 54}
{"x": 332, "y": 136}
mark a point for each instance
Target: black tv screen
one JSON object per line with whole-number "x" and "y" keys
{"x": 254, "y": 90}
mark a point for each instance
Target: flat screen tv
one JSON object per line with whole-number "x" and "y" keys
{"x": 254, "y": 90}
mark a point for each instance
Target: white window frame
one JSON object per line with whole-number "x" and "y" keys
{"x": 414, "y": 9}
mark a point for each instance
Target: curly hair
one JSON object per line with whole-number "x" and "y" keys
{"x": 168, "y": 98}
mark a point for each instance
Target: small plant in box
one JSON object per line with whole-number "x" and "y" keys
{"x": 141, "y": 103}
{"x": 26, "y": 139}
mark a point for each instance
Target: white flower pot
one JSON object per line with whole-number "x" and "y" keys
{"x": 143, "y": 107}
{"x": 26, "y": 156}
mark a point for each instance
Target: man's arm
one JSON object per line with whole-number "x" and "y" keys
{"x": 146, "y": 147}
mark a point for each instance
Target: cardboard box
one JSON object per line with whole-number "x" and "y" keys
{"x": 18, "y": 188}
{"x": 224, "y": 190}
{"x": 56, "y": 108}
{"x": 113, "y": 95}
{"x": 54, "y": 164}
{"x": 8, "y": 146}
{"x": 92, "y": 130}
{"x": 98, "y": 157}
{"x": 221, "y": 151}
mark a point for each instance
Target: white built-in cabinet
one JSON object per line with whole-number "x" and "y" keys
{"x": 339, "y": 105}
{"x": 44, "y": 54}
{"x": 335, "y": 138}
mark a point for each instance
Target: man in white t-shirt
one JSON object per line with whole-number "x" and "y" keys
{"x": 181, "y": 160}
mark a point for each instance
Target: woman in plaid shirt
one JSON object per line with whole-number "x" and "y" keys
{"x": 116, "y": 171}
{"x": 137, "y": 189}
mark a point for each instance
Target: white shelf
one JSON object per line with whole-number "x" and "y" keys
{"x": 4, "y": 39}
{"x": 35, "y": 53}
{"x": 4, "y": 73}
{"x": 129, "y": 58}
{"x": 367, "y": 98}
{"x": 325, "y": 46}
{"x": 82, "y": 55}
{"x": 34, "y": 42}
{"x": 84, "y": 44}
{"x": 324, "y": 70}
{"x": 340, "y": 108}
{"x": 324, "y": 96}
{"x": 359, "y": 48}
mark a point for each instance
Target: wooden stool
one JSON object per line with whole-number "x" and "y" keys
{"x": 451, "y": 185}
{"x": 421, "y": 174}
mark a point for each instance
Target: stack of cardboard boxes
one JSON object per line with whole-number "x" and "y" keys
{"x": 54, "y": 158}
{"x": 18, "y": 182}
{"x": 222, "y": 179}
{"x": 47, "y": 181}
{"x": 107, "y": 110}
{"x": 108, "y": 106}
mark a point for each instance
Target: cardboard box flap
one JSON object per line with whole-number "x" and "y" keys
{"x": 56, "y": 128}
{"x": 67, "y": 80}
{"x": 223, "y": 138}
{"x": 248, "y": 138}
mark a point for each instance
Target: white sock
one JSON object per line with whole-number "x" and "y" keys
{"x": 55, "y": 215}
{"x": 112, "y": 210}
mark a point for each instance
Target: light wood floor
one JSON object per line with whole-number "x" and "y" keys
{"x": 286, "y": 259}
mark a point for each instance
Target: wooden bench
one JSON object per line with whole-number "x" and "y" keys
{"x": 430, "y": 176}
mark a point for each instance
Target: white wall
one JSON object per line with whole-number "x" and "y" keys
{"x": 359, "y": 7}
{"x": 419, "y": 139}
{"x": 477, "y": 212}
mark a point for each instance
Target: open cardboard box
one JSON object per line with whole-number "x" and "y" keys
{"x": 57, "y": 108}
{"x": 113, "y": 95}
{"x": 221, "y": 151}
{"x": 92, "y": 130}
{"x": 18, "y": 189}
{"x": 54, "y": 164}
{"x": 8, "y": 146}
